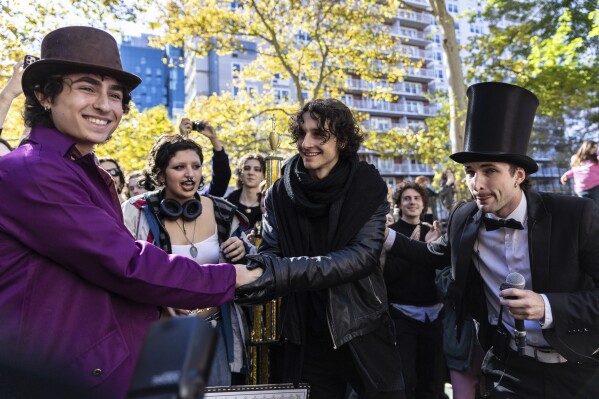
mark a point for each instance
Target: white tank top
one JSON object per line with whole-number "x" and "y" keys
{"x": 208, "y": 250}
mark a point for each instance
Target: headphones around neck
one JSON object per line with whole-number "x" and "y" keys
{"x": 172, "y": 210}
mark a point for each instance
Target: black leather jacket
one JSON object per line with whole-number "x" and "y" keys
{"x": 357, "y": 300}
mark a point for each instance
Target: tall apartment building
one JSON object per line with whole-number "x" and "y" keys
{"x": 162, "y": 82}
{"x": 214, "y": 74}
{"x": 411, "y": 27}
{"x": 417, "y": 37}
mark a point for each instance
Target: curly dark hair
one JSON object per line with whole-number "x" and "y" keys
{"x": 243, "y": 160}
{"x": 405, "y": 185}
{"x": 162, "y": 151}
{"x": 339, "y": 122}
{"x": 35, "y": 114}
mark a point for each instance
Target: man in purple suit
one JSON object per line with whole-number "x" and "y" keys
{"x": 77, "y": 292}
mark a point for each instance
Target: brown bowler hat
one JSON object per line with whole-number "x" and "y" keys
{"x": 498, "y": 125}
{"x": 78, "y": 49}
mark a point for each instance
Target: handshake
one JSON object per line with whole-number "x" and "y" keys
{"x": 255, "y": 282}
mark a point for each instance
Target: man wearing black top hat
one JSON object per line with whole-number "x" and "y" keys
{"x": 550, "y": 240}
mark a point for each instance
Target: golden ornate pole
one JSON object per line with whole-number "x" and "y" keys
{"x": 264, "y": 327}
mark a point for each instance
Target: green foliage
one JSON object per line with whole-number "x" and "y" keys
{"x": 543, "y": 18}
{"x": 25, "y": 22}
{"x": 560, "y": 69}
{"x": 316, "y": 44}
{"x": 130, "y": 144}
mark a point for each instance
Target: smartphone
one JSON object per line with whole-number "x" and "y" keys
{"x": 29, "y": 59}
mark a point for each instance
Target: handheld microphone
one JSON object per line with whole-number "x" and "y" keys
{"x": 516, "y": 280}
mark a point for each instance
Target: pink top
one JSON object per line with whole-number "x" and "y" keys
{"x": 586, "y": 176}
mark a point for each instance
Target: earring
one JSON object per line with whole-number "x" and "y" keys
{"x": 516, "y": 184}
{"x": 46, "y": 108}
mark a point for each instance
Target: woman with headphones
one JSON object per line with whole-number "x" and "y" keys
{"x": 204, "y": 228}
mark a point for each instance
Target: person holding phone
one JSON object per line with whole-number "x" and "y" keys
{"x": 11, "y": 91}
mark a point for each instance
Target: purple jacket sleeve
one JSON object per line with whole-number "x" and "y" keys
{"x": 65, "y": 217}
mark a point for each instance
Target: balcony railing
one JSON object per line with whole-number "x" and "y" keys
{"x": 385, "y": 127}
{"x": 421, "y": 73}
{"x": 416, "y": 17}
{"x": 371, "y": 105}
{"x": 404, "y": 168}
{"x": 398, "y": 88}
{"x": 419, "y": 54}
{"x": 408, "y": 33}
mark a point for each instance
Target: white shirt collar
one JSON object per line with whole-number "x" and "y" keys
{"x": 520, "y": 213}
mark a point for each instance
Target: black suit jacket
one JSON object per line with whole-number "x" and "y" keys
{"x": 563, "y": 239}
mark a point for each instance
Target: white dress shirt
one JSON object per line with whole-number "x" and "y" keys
{"x": 500, "y": 252}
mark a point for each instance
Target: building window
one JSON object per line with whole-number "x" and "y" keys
{"x": 439, "y": 74}
{"x": 281, "y": 94}
{"x": 380, "y": 124}
{"x": 408, "y": 32}
{"x": 452, "y": 8}
{"x": 438, "y": 56}
{"x": 386, "y": 164}
{"x": 236, "y": 69}
{"x": 303, "y": 36}
{"x": 476, "y": 29}
{"x": 348, "y": 100}
{"x": 414, "y": 106}
{"x": 414, "y": 88}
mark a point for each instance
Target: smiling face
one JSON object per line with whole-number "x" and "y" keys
{"x": 494, "y": 187}
{"x": 319, "y": 154}
{"x": 182, "y": 176}
{"x": 89, "y": 108}
{"x": 411, "y": 205}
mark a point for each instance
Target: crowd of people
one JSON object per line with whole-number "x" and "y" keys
{"x": 374, "y": 302}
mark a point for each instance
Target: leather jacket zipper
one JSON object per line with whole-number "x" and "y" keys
{"x": 331, "y": 329}
{"x": 374, "y": 292}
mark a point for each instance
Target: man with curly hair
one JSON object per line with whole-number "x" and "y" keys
{"x": 322, "y": 236}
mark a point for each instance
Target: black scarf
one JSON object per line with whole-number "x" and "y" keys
{"x": 345, "y": 200}
{"x": 349, "y": 195}
{"x": 312, "y": 197}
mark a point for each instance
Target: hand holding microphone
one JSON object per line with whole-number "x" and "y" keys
{"x": 516, "y": 280}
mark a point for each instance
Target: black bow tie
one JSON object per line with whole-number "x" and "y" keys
{"x": 494, "y": 224}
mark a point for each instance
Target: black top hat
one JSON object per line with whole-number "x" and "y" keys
{"x": 78, "y": 49}
{"x": 498, "y": 125}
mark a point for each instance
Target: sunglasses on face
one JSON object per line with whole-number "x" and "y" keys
{"x": 114, "y": 172}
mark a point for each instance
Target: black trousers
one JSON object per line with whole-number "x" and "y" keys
{"x": 523, "y": 377}
{"x": 329, "y": 371}
{"x": 421, "y": 349}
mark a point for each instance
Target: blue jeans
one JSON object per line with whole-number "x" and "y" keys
{"x": 220, "y": 372}
{"x": 592, "y": 193}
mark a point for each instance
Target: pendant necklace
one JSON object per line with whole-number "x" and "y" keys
{"x": 193, "y": 251}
